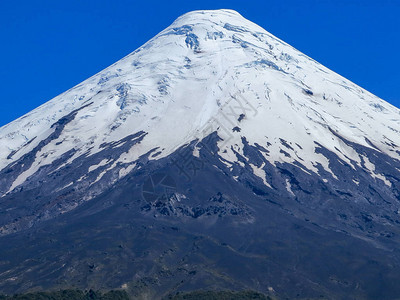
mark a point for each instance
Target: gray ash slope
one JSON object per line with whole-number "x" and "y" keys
{"x": 215, "y": 156}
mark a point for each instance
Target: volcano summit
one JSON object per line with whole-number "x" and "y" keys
{"x": 215, "y": 156}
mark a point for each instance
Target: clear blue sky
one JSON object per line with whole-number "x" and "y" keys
{"x": 48, "y": 46}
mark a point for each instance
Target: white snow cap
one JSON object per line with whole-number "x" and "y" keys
{"x": 204, "y": 73}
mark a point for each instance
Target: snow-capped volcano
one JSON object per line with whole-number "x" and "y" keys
{"x": 198, "y": 76}
{"x": 283, "y": 126}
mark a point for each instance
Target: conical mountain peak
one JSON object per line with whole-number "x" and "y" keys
{"x": 215, "y": 153}
{"x": 209, "y": 72}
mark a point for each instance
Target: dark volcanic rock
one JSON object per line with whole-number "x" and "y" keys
{"x": 215, "y": 231}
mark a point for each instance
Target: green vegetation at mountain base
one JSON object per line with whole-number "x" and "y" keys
{"x": 122, "y": 295}
{"x": 219, "y": 295}
{"x": 69, "y": 295}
